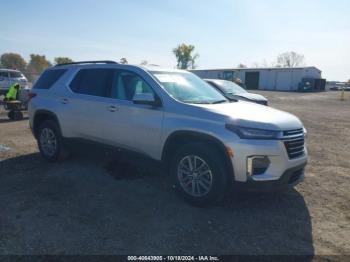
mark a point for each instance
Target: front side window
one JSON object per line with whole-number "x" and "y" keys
{"x": 94, "y": 82}
{"x": 188, "y": 88}
{"x": 126, "y": 84}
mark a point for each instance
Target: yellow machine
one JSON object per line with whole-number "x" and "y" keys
{"x": 15, "y": 107}
{"x": 343, "y": 95}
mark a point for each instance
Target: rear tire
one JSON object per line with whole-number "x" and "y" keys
{"x": 50, "y": 142}
{"x": 11, "y": 115}
{"x": 18, "y": 115}
{"x": 199, "y": 174}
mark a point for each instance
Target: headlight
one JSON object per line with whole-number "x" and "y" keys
{"x": 253, "y": 133}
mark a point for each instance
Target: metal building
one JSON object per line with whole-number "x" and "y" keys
{"x": 273, "y": 78}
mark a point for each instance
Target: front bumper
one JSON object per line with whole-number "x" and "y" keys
{"x": 275, "y": 150}
{"x": 289, "y": 178}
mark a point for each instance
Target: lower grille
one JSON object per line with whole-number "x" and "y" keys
{"x": 296, "y": 175}
{"x": 294, "y": 142}
{"x": 262, "y": 102}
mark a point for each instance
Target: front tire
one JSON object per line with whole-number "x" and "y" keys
{"x": 199, "y": 174}
{"x": 50, "y": 142}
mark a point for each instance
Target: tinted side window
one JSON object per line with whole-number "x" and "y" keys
{"x": 94, "y": 82}
{"x": 126, "y": 84}
{"x": 15, "y": 74}
{"x": 4, "y": 74}
{"x": 49, "y": 78}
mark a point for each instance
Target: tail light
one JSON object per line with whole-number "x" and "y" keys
{"x": 31, "y": 95}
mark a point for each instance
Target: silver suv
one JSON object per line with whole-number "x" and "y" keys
{"x": 206, "y": 143}
{"x": 8, "y": 77}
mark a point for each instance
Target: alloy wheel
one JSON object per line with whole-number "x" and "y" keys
{"x": 48, "y": 141}
{"x": 195, "y": 176}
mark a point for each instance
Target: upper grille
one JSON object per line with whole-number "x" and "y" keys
{"x": 295, "y": 132}
{"x": 294, "y": 142}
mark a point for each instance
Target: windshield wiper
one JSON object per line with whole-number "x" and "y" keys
{"x": 196, "y": 102}
{"x": 219, "y": 101}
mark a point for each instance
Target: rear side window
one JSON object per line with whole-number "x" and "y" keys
{"x": 4, "y": 74}
{"x": 94, "y": 82}
{"x": 49, "y": 78}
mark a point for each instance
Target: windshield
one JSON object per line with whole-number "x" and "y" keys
{"x": 230, "y": 87}
{"x": 188, "y": 88}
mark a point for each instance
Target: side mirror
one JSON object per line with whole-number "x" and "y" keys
{"x": 145, "y": 99}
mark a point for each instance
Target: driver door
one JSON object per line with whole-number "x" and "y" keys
{"x": 135, "y": 126}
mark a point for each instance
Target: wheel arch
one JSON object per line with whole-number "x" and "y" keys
{"x": 42, "y": 115}
{"x": 179, "y": 138}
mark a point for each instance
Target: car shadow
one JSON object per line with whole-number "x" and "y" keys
{"x": 7, "y": 120}
{"x": 85, "y": 206}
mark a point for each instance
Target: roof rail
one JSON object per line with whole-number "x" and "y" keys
{"x": 89, "y": 62}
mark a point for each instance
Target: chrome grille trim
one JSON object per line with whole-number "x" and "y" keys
{"x": 294, "y": 143}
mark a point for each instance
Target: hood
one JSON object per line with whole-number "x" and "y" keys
{"x": 253, "y": 115}
{"x": 251, "y": 96}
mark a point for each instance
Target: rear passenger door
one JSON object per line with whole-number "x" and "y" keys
{"x": 15, "y": 77}
{"x": 89, "y": 105}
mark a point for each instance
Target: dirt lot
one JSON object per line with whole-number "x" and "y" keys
{"x": 82, "y": 207}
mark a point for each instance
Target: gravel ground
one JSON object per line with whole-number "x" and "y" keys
{"x": 95, "y": 204}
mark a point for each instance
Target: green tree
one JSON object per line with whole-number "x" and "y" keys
{"x": 123, "y": 60}
{"x": 63, "y": 60}
{"x": 37, "y": 64}
{"x": 13, "y": 61}
{"x": 185, "y": 57}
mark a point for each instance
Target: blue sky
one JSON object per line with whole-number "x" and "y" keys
{"x": 225, "y": 32}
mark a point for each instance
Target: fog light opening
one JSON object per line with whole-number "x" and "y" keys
{"x": 257, "y": 165}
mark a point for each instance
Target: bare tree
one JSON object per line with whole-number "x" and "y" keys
{"x": 256, "y": 64}
{"x": 144, "y": 62}
{"x": 264, "y": 63}
{"x": 241, "y": 65}
{"x": 290, "y": 59}
{"x": 123, "y": 60}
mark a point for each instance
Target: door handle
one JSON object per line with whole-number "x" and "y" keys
{"x": 64, "y": 101}
{"x": 112, "y": 108}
